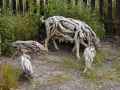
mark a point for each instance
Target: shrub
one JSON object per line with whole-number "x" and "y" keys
{"x": 17, "y": 28}
{"x": 8, "y": 77}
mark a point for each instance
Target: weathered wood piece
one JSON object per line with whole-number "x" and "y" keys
{"x": 89, "y": 55}
{"x": 68, "y": 29}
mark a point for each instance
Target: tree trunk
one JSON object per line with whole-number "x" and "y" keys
{"x": 38, "y": 2}
{"x": 46, "y": 2}
{"x": 17, "y": 6}
{"x": 24, "y": 6}
{"x": 101, "y": 7}
{"x": 0, "y": 3}
{"x": 76, "y": 2}
{"x": 38, "y": 7}
{"x": 69, "y": 1}
{"x": 0, "y": 7}
{"x": 42, "y": 7}
{"x": 0, "y": 44}
{"x": 10, "y": 4}
{"x": 3, "y": 2}
{"x": 118, "y": 8}
{"x": 109, "y": 19}
{"x": 118, "y": 17}
{"x": 46, "y": 8}
{"x": 14, "y": 6}
{"x": 92, "y": 4}
{"x": 85, "y": 1}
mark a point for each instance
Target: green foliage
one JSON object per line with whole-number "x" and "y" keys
{"x": 80, "y": 12}
{"x": 91, "y": 75}
{"x": 17, "y": 28}
{"x": 8, "y": 77}
{"x": 68, "y": 63}
{"x": 100, "y": 57}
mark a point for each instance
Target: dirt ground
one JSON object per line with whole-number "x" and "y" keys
{"x": 50, "y": 73}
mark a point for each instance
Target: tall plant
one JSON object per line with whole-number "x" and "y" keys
{"x": 17, "y": 28}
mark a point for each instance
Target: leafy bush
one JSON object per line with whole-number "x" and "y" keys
{"x": 17, "y": 28}
{"x": 8, "y": 77}
{"x": 79, "y": 12}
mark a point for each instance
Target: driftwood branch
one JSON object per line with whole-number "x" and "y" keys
{"x": 68, "y": 29}
{"x": 30, "y": 46}
{"x": 89, "y": 55}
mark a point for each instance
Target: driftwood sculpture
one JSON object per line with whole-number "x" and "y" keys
{"x": 68, "y": 29}
{"x": 30, "y": 46}
{"x": 89, "y": 55}
{"x": 25, "y": 63}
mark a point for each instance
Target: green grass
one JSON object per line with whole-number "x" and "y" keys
{"x": 99, "y": 75}
{"x": 99, "y": 72}
{"x": 100, "y": 57}
{"x": 116, "y": 66}
{"x": 69, "y": 62}
{"x": 8, "y": 77}
{"x": 72, "y": 63}
{"x": 104, "y": 71}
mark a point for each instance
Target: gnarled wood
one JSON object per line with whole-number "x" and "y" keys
{"x": 89, "y": 55}
{"x": 72, "y": 30}
{"x": 29, "y": 45}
